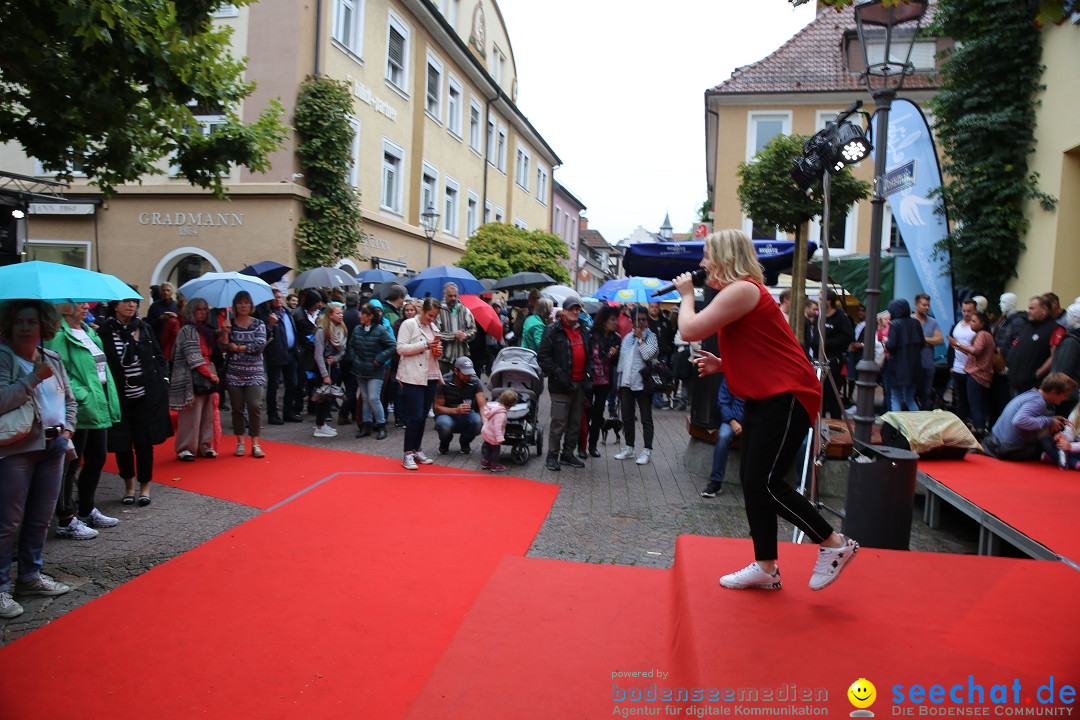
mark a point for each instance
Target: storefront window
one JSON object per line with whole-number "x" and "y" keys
{"x": 74, "y": 254}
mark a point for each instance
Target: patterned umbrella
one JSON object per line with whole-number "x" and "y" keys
{"x": 634, "y": 289}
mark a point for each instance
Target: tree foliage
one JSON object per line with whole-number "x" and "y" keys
{"x": 770, "y": 197}
{"x": 497, "y": 250}
{"x": 1047, "y": 11}
{"x": 331, "y": 226}
{"x": 112, "y": 88}
{"x": 985, "y": 114}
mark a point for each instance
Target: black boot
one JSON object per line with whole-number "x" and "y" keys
{"x": 364, "y": 429}
{"x": 593, "y": 451}
{"x": 380, "y": 431}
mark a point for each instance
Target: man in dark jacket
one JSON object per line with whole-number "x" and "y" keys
{"x": 280, "y": 358}
{"x": 839, "y": 334}
{"x": 563, "y": 356}
{"x": 304, "y": 319}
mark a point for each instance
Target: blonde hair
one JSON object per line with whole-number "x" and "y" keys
{"x": 730, "y": 256}
{"x": 508, "y": 398}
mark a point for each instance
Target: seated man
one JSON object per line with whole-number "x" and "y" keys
{"x": 731, "y": 410}
{"x": 459, "y": 401}
{"x": 1026, "y": 427}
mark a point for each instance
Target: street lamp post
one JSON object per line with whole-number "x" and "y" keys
{"x": 886, "y": 35}
{"x": 429, "y": 220}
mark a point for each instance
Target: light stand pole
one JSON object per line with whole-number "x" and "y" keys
{"x": 429, "y": 220}
{"x": 891, "y": 25}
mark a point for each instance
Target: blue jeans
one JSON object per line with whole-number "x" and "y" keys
{"x": 468, "y": 426}
{"x": 31, "y": 484}
{"x": 979, "y": 402}
{"x": 370, "y": 392}
{"x": 724, "y": 436}
{"x": 902, "y": 395}
{"x": 413, "y": 403}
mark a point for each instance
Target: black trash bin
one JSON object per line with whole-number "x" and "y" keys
{"x": 880, "y": 496}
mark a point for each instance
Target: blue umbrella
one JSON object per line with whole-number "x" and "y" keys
{"x": 267, "y": 270}
{"x": 666, "y": 260}
{"x": 430, "y": 282}
{"x": 634, "y": 289}
{"x": 40, "y": 280}
{"x": 375, "y": 276}
{"x": 218, "y": 289}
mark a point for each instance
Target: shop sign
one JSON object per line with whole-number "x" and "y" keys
{"x": 189, "y": 223}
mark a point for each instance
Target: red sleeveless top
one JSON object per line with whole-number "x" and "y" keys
{"x": 762, "y": 358}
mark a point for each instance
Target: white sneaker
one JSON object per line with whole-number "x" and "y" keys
{"x": 643, "y": 458}
{"x": 626, "y": 452}
{"x": 96, "y": 519}
{"x": 325, "y": 431}
{"x": 8, "y": 607}
{"x": 41, "y": 585}
{"x": 76, "y": 530}
{"x": 421, "y": 458}
{"x": 752, "y": 577}
{"x": 431, "y": 413}
{"x": 408, "y": 463}
{"x": 830, "y": 561}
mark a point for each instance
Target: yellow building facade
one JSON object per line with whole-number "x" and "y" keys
{"x": 436, "y": 123}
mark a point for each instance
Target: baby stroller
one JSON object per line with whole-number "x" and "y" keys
{"x": 517, "y": 369}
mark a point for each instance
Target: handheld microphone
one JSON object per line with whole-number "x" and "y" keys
{"x": 697, "y": 277}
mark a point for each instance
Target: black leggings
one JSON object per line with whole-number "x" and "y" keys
{"x": 91, "y": 448}
{"x": 643, "y": 398}
{"x": 773, "y": 431}
{"x": 597, "y": 400}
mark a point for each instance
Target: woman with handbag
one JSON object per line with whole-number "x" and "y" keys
{"x": 193, "y": 383}
{"x": 79, "y": 349}
{"x": 142, "y": 382}
{"x": 244, "y": 338}
{"x": 419, "y": 348}
{"x": 331, "y": 338}
{"x": 638, "y": 348}
{"x": 37, "y": 421}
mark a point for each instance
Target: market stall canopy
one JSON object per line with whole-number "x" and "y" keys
{"x": 666, "y": 260}
{"x": 850, "y": 271}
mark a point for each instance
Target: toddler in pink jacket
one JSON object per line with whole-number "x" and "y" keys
{"x": 494, "y": 427}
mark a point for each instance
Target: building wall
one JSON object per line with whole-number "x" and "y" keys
{"x": 1052, "y": 257}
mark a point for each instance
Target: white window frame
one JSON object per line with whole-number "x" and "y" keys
{"x": 397, "y": 76}
{"x": 455, "y": 96}
{"x": 455, "y": 10}
{"x": 498, "y": 61}
{"x": 429, "y": 187}
{"x": 500, "y": 214}
{"x": 541, "y": 184}
{"x": 487, "y": 211}
{"x": 433, "y": 88}
{"x": 489, "y": 151}
{"x": 476, "y": 123}
{"x": 226, "y": 10}
{"x": 394, "y": 189}
{"x": 348, "y": 29}
{"x": 451, "y": 206}
{"x": 520, "y": 224}
{"x": 753, "y": 120}
{"x": 206, "y": 127}
{"x": 472, "y": 208}
{"x": 851, "y": 223}
{"x": 354, "y": 171}
{"x": 521, "y": 167}
{"x": 501, "y": 149}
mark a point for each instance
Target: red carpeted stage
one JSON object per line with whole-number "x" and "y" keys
{"x": 355, "y": 596}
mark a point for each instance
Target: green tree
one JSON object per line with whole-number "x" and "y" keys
{"x": 497, "y": 250}
{"x": 770, "y": 197}
{"x": 112, "y": 87}
{"x": 985, "y": 114}
{"x": 331, "y": 226}
{"x": 1047, "y": 11}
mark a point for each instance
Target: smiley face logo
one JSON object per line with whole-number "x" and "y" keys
{"x": 862, "y": 693}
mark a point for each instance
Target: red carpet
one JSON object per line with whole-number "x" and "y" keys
{"x": 552, "y": 640}
{"x": 337, "y": 604}
{"x": 1038, "y": 500}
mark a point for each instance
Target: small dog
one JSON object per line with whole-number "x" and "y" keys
{"x": 612, "y": 425}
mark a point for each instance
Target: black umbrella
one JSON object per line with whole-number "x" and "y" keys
{"x": 267, "y": 270}
{"x": 321, "y": 277}
{"x": 523, "y": 280}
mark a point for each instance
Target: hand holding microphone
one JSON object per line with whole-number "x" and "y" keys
{"x": 696, "y": 277}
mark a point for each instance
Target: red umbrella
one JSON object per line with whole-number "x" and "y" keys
{"x": 485, "y": 315}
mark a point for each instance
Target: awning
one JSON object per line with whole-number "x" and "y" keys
{"x": 666, "y": 260}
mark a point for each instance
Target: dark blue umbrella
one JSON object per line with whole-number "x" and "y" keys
{"x": 375, "y": 275}
{"x": 267, "y": 270}
{"x": 430, "y": 282}
{"x": 666, "y": 260}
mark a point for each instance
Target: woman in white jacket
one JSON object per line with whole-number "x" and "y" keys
{"x": 418, "y": 373}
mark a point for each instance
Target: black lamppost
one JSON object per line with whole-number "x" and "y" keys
{"x": 429, "y": 220}
{"x": 887, "y": 33}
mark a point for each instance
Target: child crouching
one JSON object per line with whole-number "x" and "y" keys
{"x": 494, "y": 427}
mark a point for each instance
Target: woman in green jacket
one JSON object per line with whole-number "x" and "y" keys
{"x": 98, "y": 409}
{"x": 535, "y": 324}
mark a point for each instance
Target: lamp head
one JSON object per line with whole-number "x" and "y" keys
{"x": 429, "y": 220}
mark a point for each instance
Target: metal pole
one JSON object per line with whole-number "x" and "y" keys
{"x": 867, "y": 369}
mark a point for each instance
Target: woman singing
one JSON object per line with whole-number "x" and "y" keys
{"x": 763, "y": 364}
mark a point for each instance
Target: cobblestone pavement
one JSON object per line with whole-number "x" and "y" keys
{"x": 612, "y": 512}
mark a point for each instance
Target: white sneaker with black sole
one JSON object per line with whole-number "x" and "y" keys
{"x": 76, "y": 530}
{"x": 752, "y": 577}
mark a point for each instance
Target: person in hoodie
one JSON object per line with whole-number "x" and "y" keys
{"x": 904, "y": 345}
{"x": 494, "y": 429}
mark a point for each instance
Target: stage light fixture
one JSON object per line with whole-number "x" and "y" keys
{"x": 850, "y": 145}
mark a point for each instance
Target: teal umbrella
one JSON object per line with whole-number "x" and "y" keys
{"x": 40, "y": 280}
